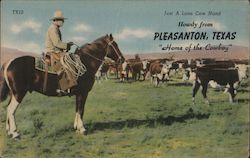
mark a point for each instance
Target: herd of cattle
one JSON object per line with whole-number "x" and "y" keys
{"x": 222, "y": 74}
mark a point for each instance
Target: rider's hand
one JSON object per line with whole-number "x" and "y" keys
{"x": 69, "y": 44}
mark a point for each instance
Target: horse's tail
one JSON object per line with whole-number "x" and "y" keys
{"x": 4, "y": 89}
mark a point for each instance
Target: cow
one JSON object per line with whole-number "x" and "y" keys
{"x": 136, "y": 69}
{"x": 124, "y": 71}
{"x": 189, "y": 74}
{"x": 98, "y": 75}
{"x": 173, "y": 66}
{"x": 114, "y": 69}
{"x": 190, "y": 66}
{"x": 105, "y": 70}
{"x": 102, "y": 72}
{"x": 139, "y": 69}
{"x": 145, "y": 68}
{"x": 223, "y": 74}
{"x": 159, "y": 72}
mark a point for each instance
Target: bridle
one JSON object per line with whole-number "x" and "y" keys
{"x": 110, "y": 43}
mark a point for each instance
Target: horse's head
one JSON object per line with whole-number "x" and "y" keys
{"x": 113, "y": 50}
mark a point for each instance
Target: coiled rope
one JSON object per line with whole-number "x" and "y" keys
{"x": 73, "y": 64}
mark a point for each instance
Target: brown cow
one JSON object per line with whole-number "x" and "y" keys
{"x": 136, "y": 69}
{"x": 158, "y": 72}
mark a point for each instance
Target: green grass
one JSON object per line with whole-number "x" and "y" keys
{"x": 132, "y": 120}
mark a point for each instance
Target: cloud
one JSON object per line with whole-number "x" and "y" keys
{"x": 32, "y": 47}
{"x": 82, "y": 28}
{"x": 15, "y": 28}
{"x": 135, "y": 33}
{"x": 31, "y": 24}
{"x": 78, "y": 39}
{"x": 218, "y": 25}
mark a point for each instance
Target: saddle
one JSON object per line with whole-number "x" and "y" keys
{"x": 43, "y": 63}
{"x": 67, "y": 67}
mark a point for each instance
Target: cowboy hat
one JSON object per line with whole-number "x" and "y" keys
{"x": 58, "y": 15}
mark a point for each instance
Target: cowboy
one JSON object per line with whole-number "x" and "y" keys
{"x": 55, "y": 48}
{"x": 54, "y": 38}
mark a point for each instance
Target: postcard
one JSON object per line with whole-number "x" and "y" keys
{"x": 118, "y": 79}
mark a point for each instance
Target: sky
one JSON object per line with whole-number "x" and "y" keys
{"x": 132, "y": 23}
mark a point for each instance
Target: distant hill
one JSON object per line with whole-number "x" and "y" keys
{"x": 235, "y": 52}
{"x": 9, "y": 53}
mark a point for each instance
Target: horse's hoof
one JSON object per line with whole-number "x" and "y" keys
{"x": 82, "y": 132}
{"x": 207, "y": 102}
{"x": 85, "y": 132}
{"x": 16, "y": 136}
{"x": 75, "y": 126}
{"x": 232, "y": 102}
{"x": 8, "y": 133}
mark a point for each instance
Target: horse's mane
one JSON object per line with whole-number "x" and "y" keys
{"x": 94, "y": 46}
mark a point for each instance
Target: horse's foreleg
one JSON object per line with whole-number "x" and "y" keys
{"x": 10, "y": 123}
{"x": 80, "y": 103}
{"x": 76, "y": 118}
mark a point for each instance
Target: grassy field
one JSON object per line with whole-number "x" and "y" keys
{"x": 132, "y": 120}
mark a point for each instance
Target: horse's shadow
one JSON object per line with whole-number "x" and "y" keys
{"x": 151, "y": 122}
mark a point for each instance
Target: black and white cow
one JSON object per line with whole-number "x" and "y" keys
{"x": 224, "y": 75}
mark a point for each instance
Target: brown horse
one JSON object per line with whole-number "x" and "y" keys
{"x": 18, "y": 76}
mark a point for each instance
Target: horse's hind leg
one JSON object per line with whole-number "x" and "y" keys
{"x": 16, "y": 98}
{"x": 10, "y": 122}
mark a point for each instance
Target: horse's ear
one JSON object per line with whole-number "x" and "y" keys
{"x": 110, "y": 37}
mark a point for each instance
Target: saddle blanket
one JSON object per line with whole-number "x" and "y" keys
{"x": 40, "y": 65}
